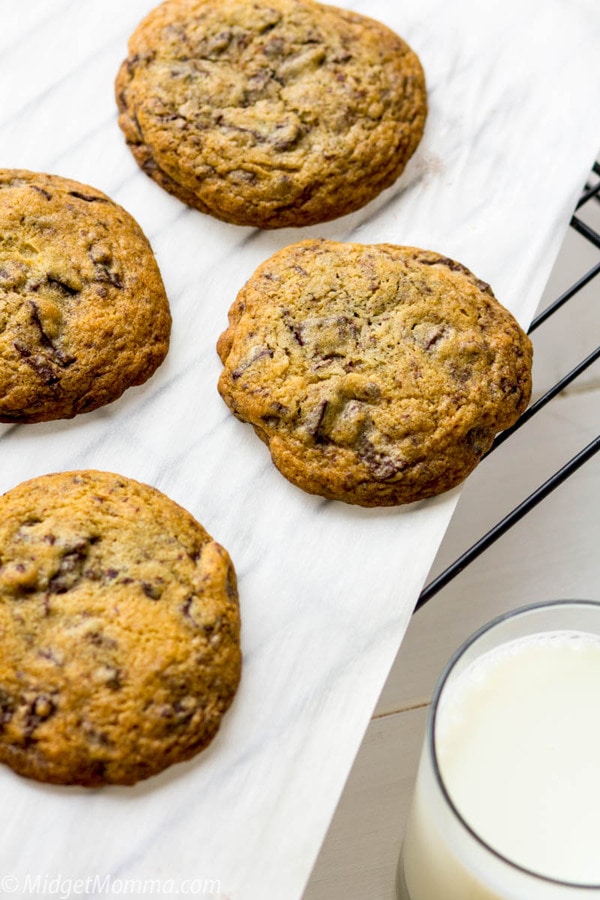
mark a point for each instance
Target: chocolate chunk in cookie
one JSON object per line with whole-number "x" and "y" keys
{"x": 270, "y": 113}
{"x": 377, "y": 375}
{"x": 120, "y": 630}
{"x": 83, "y": 310}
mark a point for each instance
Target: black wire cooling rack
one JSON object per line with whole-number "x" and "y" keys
{"x": 591, "y": 194}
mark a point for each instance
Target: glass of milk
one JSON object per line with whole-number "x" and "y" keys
{"x": 507, "y": 800}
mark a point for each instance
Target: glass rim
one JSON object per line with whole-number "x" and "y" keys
{"x": 441, "y": 683}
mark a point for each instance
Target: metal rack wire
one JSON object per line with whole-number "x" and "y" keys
{"x": 591, "y": 193}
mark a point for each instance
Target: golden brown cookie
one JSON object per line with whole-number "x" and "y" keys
{"x": 270, "y": 112}
{"x": 83, "y": 310}
{"x": 376, "y": 374}
{"x": 120, "y": 630}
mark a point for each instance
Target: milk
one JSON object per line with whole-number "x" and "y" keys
{"x": 517, "y": 739}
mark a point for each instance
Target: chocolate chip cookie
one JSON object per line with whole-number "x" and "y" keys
{"x": 83, "y": 310}
{"x": 270, "y": 113}
{"x": 377, "y": 375}
{"x": 120, "y": 630}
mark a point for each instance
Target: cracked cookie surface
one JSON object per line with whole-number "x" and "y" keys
{"x": 120, "y": 627}
{"x": 270, "y": 113}
{"x": 376, "y": 374}
{"x": 83, "y": 310}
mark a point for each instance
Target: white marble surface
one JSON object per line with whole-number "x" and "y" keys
{"x": 326, "y": 590}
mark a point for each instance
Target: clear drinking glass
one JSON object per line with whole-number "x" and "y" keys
{"x": 443, "y": 857}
